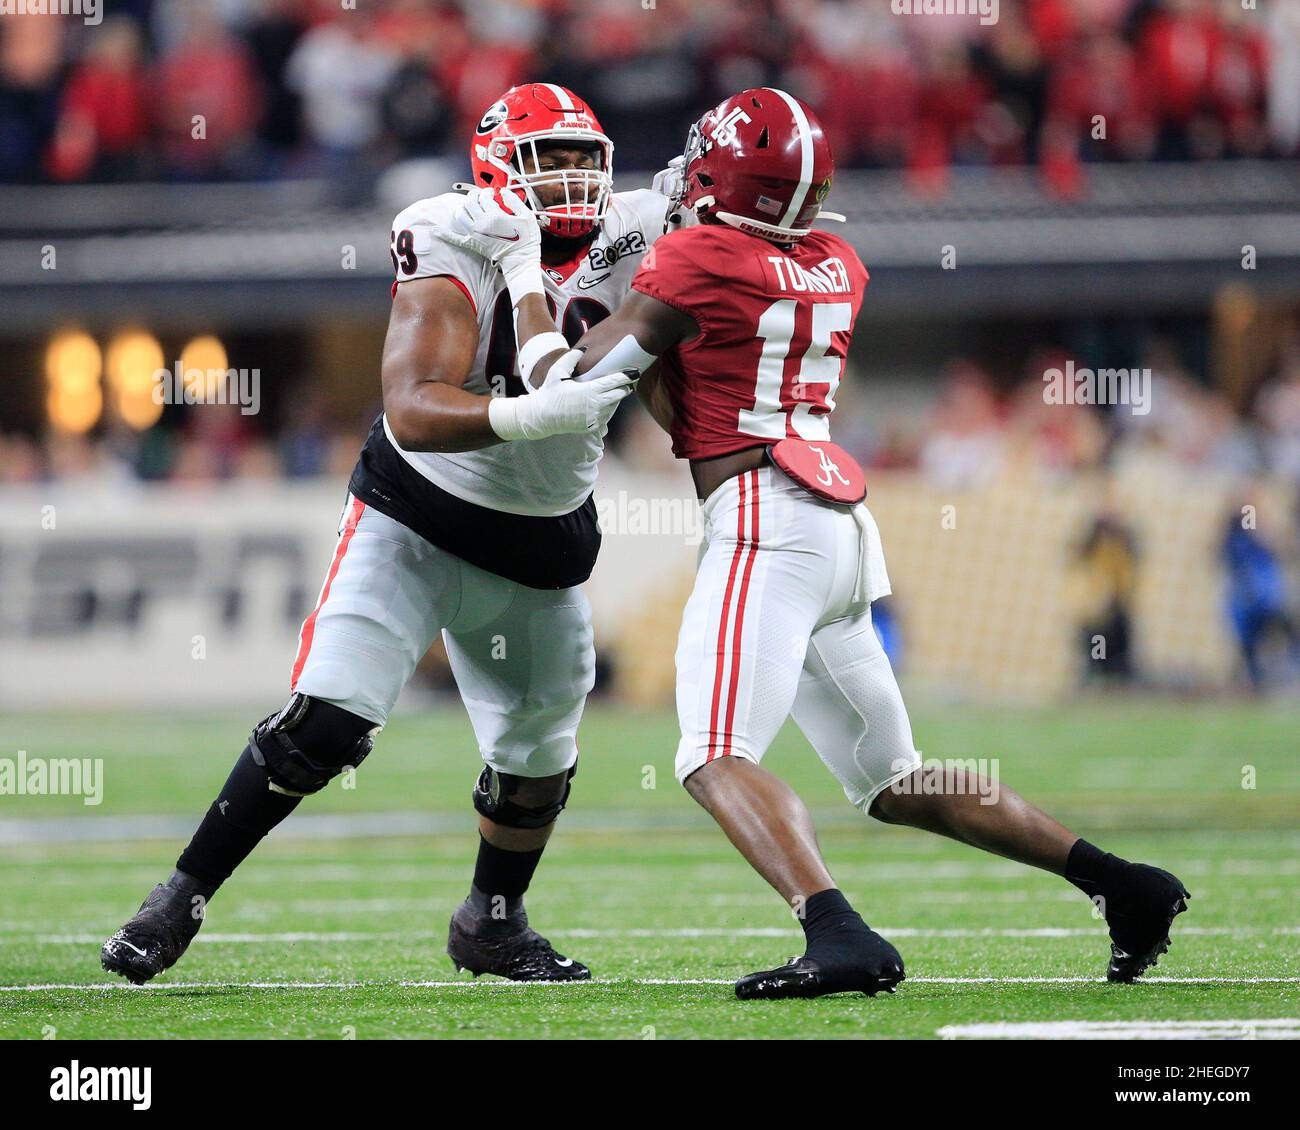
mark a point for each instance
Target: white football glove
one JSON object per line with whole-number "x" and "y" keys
{"x": 502, "y": 229}
{"x": 561, "y": 406}
{"x": 669, "y": 181}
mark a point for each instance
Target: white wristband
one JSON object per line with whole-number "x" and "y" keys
{"x": 503, "y": 416}
{"x": 534, "y": 349}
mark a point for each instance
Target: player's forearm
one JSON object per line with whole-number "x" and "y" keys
{"x": 433, "y": 416}
{"x": 534, "y": 323}
{"x": 600, "y": 354}
{"x": 532, "y": 317}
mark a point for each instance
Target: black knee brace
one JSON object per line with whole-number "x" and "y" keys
{"x": 308, "y": 744}
{"x": 492, "y": 798}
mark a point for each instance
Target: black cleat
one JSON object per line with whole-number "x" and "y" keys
{"x": 874, "y": 967}
{"x": 1140, "y": 906}
{"x": 155, "y": 938}
{"x": 507, "y": 947}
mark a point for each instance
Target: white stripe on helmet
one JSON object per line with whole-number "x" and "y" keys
{"x": 562, "y": 96}
{"x": 806, "y": 157}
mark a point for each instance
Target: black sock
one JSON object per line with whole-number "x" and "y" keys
{"x": 1087, "y": 866}
{"x": 244, "y": 811}
{"x": 501, "y": 874}
{"x": 247, "y": 808}
{"x": 827, "y": 913}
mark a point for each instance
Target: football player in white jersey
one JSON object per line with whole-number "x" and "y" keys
{"x": 469, "y": 513}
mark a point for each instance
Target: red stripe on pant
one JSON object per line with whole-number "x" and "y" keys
{"x": 722, "y": 625}
{"x": 740, "y": 615}
{"x": 309, "y": 625}
{"x": 747, "y": 485}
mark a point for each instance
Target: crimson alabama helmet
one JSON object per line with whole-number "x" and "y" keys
{"x": 759, "y": 162}
{"x": 507, "y": 141}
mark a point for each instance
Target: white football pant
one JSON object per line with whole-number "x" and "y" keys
{"x": 523, "y": 658}
{"x": 779, "y": 624}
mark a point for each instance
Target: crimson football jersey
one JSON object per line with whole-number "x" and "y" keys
{"x": 775, "y": 325}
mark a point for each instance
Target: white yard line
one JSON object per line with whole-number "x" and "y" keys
{"x": 630, "y": 981}
{"x": 434, "y": 870}
{"x": 252, "y": 938}
{"x": 1286, "y": 1028}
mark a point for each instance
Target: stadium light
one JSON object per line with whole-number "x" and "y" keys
{"x": 73, "y": 365}
{"x": 203, "y": 360}
{"x": 134, "y": 356}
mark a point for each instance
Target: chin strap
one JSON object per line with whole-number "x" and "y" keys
{"x": 758, "y": 227}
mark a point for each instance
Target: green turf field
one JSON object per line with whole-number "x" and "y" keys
{"x": 341, "y": 933}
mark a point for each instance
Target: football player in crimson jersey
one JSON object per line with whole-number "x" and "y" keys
{"x": 749, "y": 315}
{"x": 469, "y": 514}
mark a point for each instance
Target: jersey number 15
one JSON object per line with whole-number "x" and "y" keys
{"x": 802, "y": 400}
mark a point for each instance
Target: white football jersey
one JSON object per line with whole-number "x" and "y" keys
{"x": 545, "y": 477}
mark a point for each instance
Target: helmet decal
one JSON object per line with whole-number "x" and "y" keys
{"x": 496, "y": 114}
{"x": 724, "y": 133}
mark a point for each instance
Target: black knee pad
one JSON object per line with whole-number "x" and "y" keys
{"x": 493, "y": 798}
{"x": 309, "y": 743}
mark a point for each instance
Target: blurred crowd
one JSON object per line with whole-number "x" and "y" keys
{"x": 977, "y": 422}
{"x": 209, "y": 443}
{"x": 238, "y": 89}
{"x": 981, "y": 427}
{"x": 975, "y": 433}
{"x": 191, "y": 90}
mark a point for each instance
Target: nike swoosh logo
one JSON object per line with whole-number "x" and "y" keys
{"x": 564, "y": 962}
{"x": 507, "y": 238}
{"x": 587, "y": 284}
{"x": 131, "y": 947}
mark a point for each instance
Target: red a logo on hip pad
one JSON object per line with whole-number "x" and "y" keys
{"x": 823, "y": 469}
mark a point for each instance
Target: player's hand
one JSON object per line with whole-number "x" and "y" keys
{"x": 669, "y": 181}
{"x": 502, "y": 229}
{"x": 562, "y": 407}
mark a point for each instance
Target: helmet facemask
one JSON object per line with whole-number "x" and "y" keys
{"x": 585, "y": 191}
{"x": 696, "y": 146}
